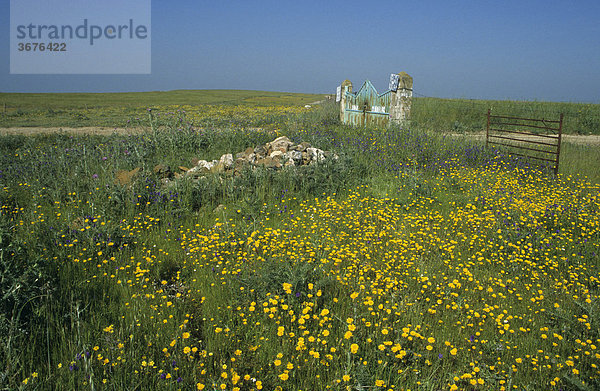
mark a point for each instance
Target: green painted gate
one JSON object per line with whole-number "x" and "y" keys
{"x": 368, "y": 107}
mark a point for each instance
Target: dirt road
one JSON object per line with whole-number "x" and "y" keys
{"x": 93, "y": 130}
{"x": 567, "y": 138}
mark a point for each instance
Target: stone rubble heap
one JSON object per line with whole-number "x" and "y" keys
{"x": 276, "y": 154}
{"x": 279, "y": 153}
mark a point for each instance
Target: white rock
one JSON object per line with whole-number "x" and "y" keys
{"x": 315, "y": 155}
{"x": 281, "y": 144}
{"x": 227, "y": 161}
{"x": 203, "y": 164}
{"x": 295, "y": 156}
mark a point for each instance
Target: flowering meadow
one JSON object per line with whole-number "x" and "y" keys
{"x": 413, "y": 261}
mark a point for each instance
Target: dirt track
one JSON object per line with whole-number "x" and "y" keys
{"x": 569, "y": 138}
{"x": 94, "y": 130}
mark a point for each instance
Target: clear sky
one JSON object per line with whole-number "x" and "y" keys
{"x": 533, "y": 50}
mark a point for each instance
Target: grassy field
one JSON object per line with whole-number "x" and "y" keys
{"x": 59, "y": 101}
{"x": 462, "y": 115}
{"x": 414, "y": 261}
{"x": 121, "y": 109}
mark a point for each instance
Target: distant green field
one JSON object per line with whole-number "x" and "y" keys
{"x": 153, "y": 98}
{"x": 116, "y": 109}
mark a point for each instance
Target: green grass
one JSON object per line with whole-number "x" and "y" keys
{"x": 576, "y": 159}
{"x": 453, "y": 263}
{"x": 463, "y": 115}
{"x": 28, "y": 101}
{"x": 583, "y": 160}
{"x": 116, "y": 109}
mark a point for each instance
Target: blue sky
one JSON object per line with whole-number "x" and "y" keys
{"x": 533, "y": 50}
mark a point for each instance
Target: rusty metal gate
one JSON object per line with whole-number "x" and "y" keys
{"x": 537, "y": 139}
{"x": 368, "y": 107}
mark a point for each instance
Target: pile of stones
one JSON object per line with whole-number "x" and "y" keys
{"x": 277, "y": 154}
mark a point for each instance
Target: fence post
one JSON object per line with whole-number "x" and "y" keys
{"x": 346, "y": 87}
{"x": 487, "y": 131}
{"x": 560, "y": 125}
{"x": 401, "y": 101}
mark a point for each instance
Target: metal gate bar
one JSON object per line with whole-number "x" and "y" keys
{"x": 495, "y": 123}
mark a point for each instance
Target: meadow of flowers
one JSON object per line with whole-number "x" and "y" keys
{"x": 412, "y": 262}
